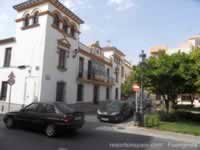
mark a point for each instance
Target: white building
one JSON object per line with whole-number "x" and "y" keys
{"x": 185, "y": 47}
{"x": 51, "y": 64}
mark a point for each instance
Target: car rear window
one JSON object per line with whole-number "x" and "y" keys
{"x": 64, "y": 108}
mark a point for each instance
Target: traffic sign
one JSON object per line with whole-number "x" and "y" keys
{"x": 11, "y": 75}
{"x": 11, "y": 82}
{"x": 11, "y": 79}
{"x": 136, "y": 88}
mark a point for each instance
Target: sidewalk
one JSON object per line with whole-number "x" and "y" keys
{"x": 1, "y": 117}
{"x": 131, "y": 129}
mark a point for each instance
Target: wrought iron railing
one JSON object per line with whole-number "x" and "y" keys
{"x": 89, "y": 75}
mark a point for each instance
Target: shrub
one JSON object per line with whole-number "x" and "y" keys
{"x": 171, "y": 117}
{"x": 151, "y": 120}
{"x": 188, "y": 116}
{"x": 179, "y": 116}
{"x": 189, "y": 106}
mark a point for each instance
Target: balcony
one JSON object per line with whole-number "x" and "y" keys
{"x": 94, "y": 78}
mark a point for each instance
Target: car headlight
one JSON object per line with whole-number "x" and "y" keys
{"x": 114, "y": 113}
{"x": 98, "y": 111}
{"x": 101, "y": 113}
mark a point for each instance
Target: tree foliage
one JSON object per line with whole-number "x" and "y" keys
{"x": 170, "y": 75}
{"x": 126, "y": 88}
{"x": 195, "y": 56}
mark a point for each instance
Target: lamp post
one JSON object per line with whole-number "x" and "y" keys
{"x": 142, "y": 56}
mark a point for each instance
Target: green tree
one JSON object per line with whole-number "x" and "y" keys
{"x": 168, "y": 76}
{"x": 126, "y": 87}
{"x": 195, "y": 57}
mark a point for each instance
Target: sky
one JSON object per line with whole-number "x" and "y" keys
{"x": 130, "y": 25}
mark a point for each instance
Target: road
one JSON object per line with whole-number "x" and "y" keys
{"x": 94, "y": 136}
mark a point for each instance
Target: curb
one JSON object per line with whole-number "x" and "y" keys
{"x": 158, "y": 134}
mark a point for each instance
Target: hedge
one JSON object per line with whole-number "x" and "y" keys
{"x": 151, "y": 120}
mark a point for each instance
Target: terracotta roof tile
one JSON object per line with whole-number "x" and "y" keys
{"x": 56, "y": 3}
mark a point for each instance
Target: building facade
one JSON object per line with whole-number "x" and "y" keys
{"x": 51, "y": 64}
{"x": 186, "y": 47}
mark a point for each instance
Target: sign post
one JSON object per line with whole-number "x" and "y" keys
{"x": 11, "y": 82}
{"x": 136, "y": 89}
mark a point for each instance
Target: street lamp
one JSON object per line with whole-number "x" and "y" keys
{"x": 23, "y": 67}
{"x": 142, "y": 56}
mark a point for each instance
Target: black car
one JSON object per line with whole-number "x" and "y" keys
{"x": 114, "y": 111}
{"x": 146, "y": 104}
{"x": 49, "y": 117}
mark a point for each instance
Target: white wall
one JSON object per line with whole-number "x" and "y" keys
{"x": 28, "y": 50}
{"x": 37, "y": 48}
{"x": 48, "y": 91}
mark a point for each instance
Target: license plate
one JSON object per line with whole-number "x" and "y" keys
{"x": 104, "y": 119}
{"x": 78, "y": 118}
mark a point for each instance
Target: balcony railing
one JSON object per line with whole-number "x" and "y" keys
{"x": 91, "y": 76}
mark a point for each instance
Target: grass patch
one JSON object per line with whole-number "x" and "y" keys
{"x": 181, "y": 127}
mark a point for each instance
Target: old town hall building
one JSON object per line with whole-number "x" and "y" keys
{"x": 51, "y": 64}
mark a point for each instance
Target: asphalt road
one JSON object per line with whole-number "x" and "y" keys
{"x": 94, "y": 136}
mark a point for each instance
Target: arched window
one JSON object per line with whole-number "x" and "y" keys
{"x": 35, "y": 17}
{"x": 56, "y": 20}
{"x": 73, "y": 31}
{"x": 26, "y": 20}
{"x": 65, "y": 27}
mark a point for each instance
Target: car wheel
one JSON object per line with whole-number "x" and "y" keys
{"x": 50, "y": 130}
{"x": 9, "y": 123}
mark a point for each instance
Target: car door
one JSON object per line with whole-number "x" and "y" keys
{"x": 28, "y": 116}
{"x": 46, "y": 114}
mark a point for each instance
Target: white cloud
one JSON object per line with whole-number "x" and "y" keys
{"x": 85, "y": 28}
{"x": 77, "y": 4}
{"x": 121, "y": 5}
{"x": 116, "y": 1}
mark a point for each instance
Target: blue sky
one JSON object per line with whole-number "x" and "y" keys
{"x": 131, "y": 25}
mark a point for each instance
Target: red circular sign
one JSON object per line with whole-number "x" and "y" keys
{"x": 136, "y": 88}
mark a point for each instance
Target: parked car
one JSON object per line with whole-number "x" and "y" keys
{"x": 114, "y": 111}
{"x": 147, "y": 104}
{"x": 48, "y": 117}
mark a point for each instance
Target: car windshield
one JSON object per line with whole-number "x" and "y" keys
{"x": 112, "y": 106}
{"x": 64, "y": 108}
